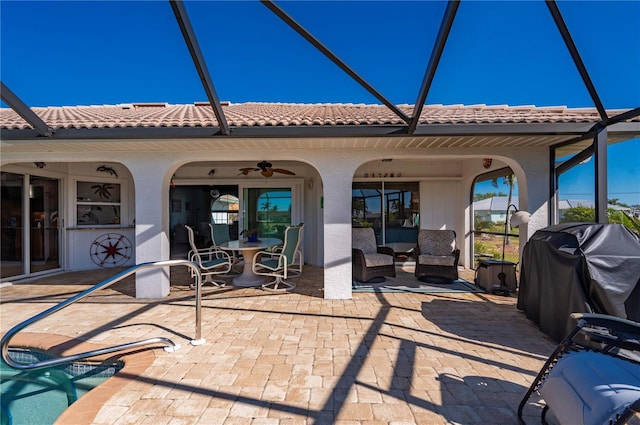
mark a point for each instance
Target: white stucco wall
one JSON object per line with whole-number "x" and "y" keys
{"x": 441, "y": 208}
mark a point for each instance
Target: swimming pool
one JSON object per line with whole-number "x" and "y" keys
{"x": 40, "y": 396}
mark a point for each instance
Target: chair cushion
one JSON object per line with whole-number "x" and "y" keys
{"x": 214, "y": 262}
{"x": 589, "y": 388}
{"x": 270, "y": 262}
{"x": 364, "y": 239}
{"x": 375, "y": 260}
{"x": 436, "y": 242}
{"x": 437, "y": 260}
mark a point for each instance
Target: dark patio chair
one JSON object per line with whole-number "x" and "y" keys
{"x": 437, "y": 256}
{"x": 370, "y": 262}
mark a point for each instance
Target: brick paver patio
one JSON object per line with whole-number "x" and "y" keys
{"x": 297, "y": 358}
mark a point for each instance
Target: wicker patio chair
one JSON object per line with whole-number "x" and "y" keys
{"x": 437, "y": 256}
{"x": 370, "y": 262}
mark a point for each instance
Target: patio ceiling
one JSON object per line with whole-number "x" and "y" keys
{"x": 216, "y": 124}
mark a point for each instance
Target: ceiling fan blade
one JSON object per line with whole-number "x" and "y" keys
{"x": 245, "y": 171}
{"x": 283, "y": 171}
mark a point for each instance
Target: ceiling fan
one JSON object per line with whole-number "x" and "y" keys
{"x": 266, "y": 169}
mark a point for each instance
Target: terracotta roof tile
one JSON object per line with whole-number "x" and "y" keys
{"x": 288, "y": 114}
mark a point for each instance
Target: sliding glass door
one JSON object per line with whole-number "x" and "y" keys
{"x": 366, "y": 207}
{"x": 268, "y": 210}
{"x": 30, "y": 218}
{"x": 12, "y": 209}
{"x": 391, "y": 208}
{"x": 253, "y": 204}
{"x": 43, "y": 221}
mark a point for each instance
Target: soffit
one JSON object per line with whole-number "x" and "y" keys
{"x": 247, "y": 144}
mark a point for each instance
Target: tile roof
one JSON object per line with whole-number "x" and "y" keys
{"x": 161, "y": 115}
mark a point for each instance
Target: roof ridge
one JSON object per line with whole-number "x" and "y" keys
{"x": 320, "y": 104}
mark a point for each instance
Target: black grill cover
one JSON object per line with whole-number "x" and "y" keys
{"x": 579, "y": 267}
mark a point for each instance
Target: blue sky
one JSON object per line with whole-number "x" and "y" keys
{"x": 77, "y": 53}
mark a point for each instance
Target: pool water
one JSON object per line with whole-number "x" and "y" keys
{"x": 38, "y": 397}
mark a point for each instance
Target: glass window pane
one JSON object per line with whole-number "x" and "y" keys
{"x": 98, "y": 192}
{"x": 97, "y": 203}
{"x": 576, "y": 193}
{"x": 97, "y": 214}
{"x": 624, "y": 184}
{"x": 43, "y": 203}
{"x": 11, "y": 222}
{"x": 224, "y": 209}
{"x": 366, "y": 206}
{"x": 493, "y": 194}
{"x": 268, "y": 210}
{"x": 402, "y": 214}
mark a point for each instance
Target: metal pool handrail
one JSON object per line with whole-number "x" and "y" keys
{"x": 169, "y": 345}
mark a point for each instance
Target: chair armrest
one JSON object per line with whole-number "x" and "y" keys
{"x": 211, "y": 252}
{"x": 612, "y": 322}
{"x": 257, "y": 265}
{"x": 208, "y": 254}
{"x": 267, "y": 253}
{"x": 386, "y": 250}
{"x": 609, "y": 331}
{"x": 276, "y": 248}
{"x": 272, "y": 255}
{"x": 358, "y": 257}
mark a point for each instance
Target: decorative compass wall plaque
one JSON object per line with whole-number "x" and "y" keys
{"x": 111, "y": 250}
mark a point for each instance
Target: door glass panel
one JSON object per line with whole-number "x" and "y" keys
{"x": 397, "y": 202}
{"x": 225, "y": 210}
{"x": 366, "y": 207}
{"x": 43, "y": 221}
{"x": 12, "y": 231}
{"x": 268, "y": 210}
{"x": 493, "y": 236}
{"x": 402, "y": 214}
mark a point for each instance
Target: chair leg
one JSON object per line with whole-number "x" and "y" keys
{"x": 209, "y": 280}
{"x": 278, "y": 285}
{"x": 295, "y": 271}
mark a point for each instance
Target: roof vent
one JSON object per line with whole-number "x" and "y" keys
{"x": 222, "y": 103}
{"x": 150, "y": 105}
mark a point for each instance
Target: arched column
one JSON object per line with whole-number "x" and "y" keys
{"x": 151, "y": 181}
{"x": 337, "y": 176}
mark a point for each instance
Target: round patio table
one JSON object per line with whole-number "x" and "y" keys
{"x": 249, "y": 250}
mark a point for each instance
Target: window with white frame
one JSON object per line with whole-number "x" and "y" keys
{"x": 98, "y": 203}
